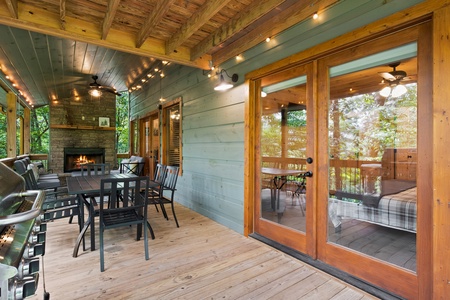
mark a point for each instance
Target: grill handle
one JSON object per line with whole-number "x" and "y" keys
{"x": 33, "y": 213}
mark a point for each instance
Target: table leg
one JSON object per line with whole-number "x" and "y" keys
{"x": 81, "y": 237}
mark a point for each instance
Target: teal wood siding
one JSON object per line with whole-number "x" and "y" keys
{"x": 212, "y": 182}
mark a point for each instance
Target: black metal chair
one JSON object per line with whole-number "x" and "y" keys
{"x": 166, "y": 192}
{"x": 133, "y": 209}
{"x": 156, "y": 184}
{"x": 57, "y": 204}
{"x": 299, "y": 184}
{"x": 95, "y": 169}
{"x": 134, "y": 165}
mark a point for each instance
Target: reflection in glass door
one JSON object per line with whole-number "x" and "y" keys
{"x": 285, "y": 116}
{"x": 373, "y": 156}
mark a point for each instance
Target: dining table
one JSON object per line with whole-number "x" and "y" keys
{"x": 83, "y": 187}
{"x": 280, "y": 178}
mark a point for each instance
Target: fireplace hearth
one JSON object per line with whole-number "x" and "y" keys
{"x": 75, "y": 157}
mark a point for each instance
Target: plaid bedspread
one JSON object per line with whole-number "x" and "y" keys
{"x": 396, "y": 211}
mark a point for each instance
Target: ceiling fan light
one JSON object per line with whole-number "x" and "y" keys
{"x": 398, "y": 90}
{"x": 385, "y": 91}
{"x": 95, "y": 92}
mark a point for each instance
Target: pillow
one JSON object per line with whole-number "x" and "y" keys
{"x": 132, "y": 165}
{"x": 35, "y": 170}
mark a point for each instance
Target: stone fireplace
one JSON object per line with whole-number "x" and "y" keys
{"x": 75, "y": 126}
{"x": 75, "y": 157}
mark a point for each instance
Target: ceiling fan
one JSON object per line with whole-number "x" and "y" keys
{"x": 95, "y": 89}
{"x": 393, "y": 78}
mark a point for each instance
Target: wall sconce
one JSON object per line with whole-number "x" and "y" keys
{"x": 223, "y": 85}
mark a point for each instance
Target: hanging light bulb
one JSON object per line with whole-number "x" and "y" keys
{"x": 385, "y": 92}
{"x": 398, "y": 90}
{"x": 95, "y": 92}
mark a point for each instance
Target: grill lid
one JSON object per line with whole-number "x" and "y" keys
{"x": 10, "y": 181}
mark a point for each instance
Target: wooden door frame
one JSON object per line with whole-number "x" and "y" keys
{"x": 392, "y": 278}
{"x": 155, "y": 114}
{"x": 300, "y": 241}
{"x": 377, "y": 272}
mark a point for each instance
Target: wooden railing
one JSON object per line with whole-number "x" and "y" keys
{"x": 344, "y": 175}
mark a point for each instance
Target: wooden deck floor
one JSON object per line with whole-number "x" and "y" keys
{"x": 200, "y": 260}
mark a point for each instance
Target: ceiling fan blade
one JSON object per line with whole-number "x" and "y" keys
{"x": 387, "y": 76}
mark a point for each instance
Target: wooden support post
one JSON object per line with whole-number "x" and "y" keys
{"x": 11, "y": 101}
{"x": 441, "y": 159}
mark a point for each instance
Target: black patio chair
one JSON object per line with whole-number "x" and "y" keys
{"x": 57, "y": 204}
{"x": 166, "y": 192}
{"x": 132, "y": 209}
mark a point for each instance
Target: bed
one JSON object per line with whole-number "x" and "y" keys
{"x": 395, "y": 207}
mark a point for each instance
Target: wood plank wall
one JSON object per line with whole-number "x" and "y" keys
{"x": 212, "y": 182}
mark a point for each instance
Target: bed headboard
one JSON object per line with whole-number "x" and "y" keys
{"x": 399, "y": 163}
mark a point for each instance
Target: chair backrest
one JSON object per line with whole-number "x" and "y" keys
{"x": 170, "y": 182}
{"x": 95, "y": 169}
{"x": 20, "y": 166}
{"x": 132, "y": 191}
{"x": 134, "y": 165}
{"x": 30, "y": 181}
{"x": 160, "y": 173}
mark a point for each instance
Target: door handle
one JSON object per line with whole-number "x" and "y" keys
{"x": 308, "y": 174}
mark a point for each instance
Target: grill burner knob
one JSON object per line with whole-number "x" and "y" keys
{"x": 32, "y": 250}
{"x": 28, "y": 267}
{"x": 24, "y": 288}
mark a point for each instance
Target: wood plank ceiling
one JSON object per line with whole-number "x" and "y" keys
{"x": 51, "y": 48}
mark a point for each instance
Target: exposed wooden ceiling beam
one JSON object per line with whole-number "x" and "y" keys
{"x": 111, "y": 10}
{"x": 158, "y": 14}
{"x": 12, "y": 7}
{"x": 233, "y": 26}
{"x": 301, "y": 10}
{"x": 62, "y": 14}
{"x": 206, "y": 12}
{"x": 40, "y": 20}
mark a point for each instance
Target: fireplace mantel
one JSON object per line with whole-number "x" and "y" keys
{"x": 81, "y": 127}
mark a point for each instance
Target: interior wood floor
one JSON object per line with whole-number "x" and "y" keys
{"x": 394, "y": 246}
{"x": 200, "y": 260}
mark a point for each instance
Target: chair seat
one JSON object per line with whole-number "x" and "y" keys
{"x": 121, "y": 217}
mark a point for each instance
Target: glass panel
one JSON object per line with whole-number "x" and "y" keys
{"x": 372, "y": 161}
{"x": 283, "y": 150}
{"x": 173, "y": 135}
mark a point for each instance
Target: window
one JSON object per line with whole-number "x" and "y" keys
{"x": 172, "y": 138}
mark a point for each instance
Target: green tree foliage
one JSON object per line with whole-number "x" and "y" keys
{"x": 40, "y": 130}
{"x": 2, "y": 133}
{"x": 362, "y": 127}
{"x": 122, "y": 121}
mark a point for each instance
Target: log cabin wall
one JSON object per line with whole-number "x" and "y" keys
{"x": 212, "y": 182}
{"x": 213, "y": 141}
{"x": 74, "y": 123}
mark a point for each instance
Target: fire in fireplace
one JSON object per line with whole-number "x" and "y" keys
{"x": 75, "y": 157}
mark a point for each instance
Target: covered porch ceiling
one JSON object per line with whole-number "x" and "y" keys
{"x": 50, "y": 49}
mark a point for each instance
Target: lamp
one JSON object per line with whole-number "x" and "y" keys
{"x": 394, "y": 89}
{"x": 223, "y": 85}
{"x": 94, "y": 92}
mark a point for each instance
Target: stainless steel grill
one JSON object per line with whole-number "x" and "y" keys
{"x": 22, "y": 236}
